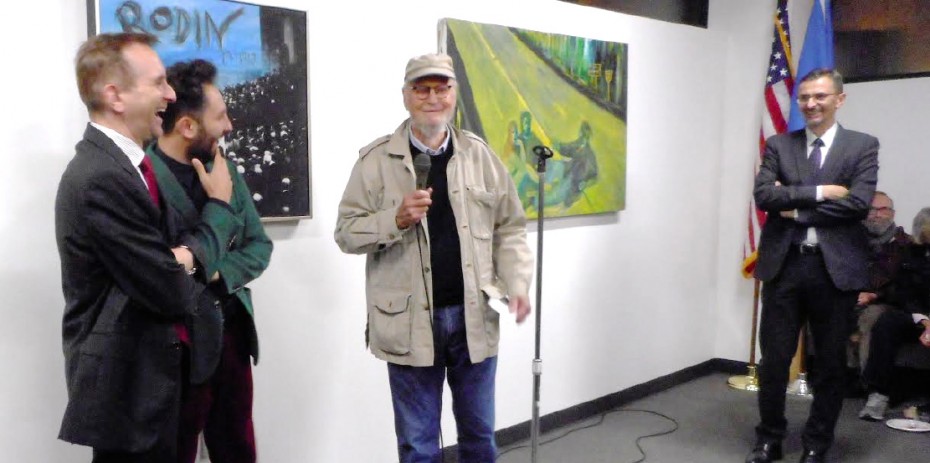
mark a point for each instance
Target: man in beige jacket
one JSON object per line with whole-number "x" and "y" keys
{"x": 438, "y": 253}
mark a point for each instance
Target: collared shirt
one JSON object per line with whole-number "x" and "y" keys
{"x": 128, "y": 147}
{"x": 425, "y": 149}
{"x": 827, "y": 139}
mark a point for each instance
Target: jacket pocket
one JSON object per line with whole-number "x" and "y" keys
{"x": 480, "y": 211}
{"x": 106, "y": 368}
{"x": 390, "y": 323}
{"x": 122, "y": 390}
{"x": 481, "y": 204}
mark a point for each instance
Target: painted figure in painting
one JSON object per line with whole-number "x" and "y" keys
{"x": 568, "y": 173}
{"x": 582, "y": 170}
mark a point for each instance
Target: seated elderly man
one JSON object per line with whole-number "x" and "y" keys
{"x": 888, "y": 245}
{"x": 911, "y": 294}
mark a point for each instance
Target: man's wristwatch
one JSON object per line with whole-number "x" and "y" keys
{"x": 193, "y": 269}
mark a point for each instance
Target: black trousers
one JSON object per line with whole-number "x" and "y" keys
{"x": 803, "y": 292}
{"x": 892, "y": 330}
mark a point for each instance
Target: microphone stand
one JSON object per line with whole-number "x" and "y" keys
{"x": 542, "y": 153}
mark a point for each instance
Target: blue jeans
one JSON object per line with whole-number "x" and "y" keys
{"x": 417, "y": 396}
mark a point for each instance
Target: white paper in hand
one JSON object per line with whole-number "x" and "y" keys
{"x": 501, "y": 305}
{"x": 498, "y": 301}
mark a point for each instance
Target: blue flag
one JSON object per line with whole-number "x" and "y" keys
{"x": 817, "y": 52}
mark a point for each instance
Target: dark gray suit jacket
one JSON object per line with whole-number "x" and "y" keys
{"x": 852, "y": 161}
{"x": 124, "y": 291}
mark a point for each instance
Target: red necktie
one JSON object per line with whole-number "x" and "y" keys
{"x": 149, "y": 174}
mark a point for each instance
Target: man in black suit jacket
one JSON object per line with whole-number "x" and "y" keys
{"x": 128, "y": 277}
{"x": 816, "y": 185}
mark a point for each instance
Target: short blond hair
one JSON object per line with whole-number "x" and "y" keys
{"x": 100, "y": 58}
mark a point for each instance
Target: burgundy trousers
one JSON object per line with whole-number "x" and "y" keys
{"x": 221, "y": 408}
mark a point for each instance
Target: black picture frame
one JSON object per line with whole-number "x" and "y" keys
{"x": 879, "y": 40}
{"x": 261, "y": 55}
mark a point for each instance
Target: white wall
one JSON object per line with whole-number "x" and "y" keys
{"x": 749, "y": 30}
{"x": 895, "y": 111}
{"x": 628, "y": 297}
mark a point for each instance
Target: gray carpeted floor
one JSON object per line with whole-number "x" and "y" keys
{"x": 715, "y": 425}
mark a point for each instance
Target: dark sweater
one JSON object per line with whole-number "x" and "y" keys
{"x": 445, "y": 253}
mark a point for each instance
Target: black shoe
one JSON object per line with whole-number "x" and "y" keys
{"x": 765, "y": 452}
{"x": 812, "y": 456}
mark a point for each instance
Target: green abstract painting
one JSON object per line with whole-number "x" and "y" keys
{"x": 519, "y": 89}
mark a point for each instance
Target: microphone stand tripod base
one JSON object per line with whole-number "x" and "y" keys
{"x": 800, "y": 387}
{"x": 748, "y": 382}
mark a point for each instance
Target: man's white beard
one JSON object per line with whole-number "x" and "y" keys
{"x": 430, "y": 131}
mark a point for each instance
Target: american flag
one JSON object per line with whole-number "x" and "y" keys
{"x": 779, "y": 83}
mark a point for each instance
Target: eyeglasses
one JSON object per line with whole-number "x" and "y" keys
{"x": 422, "y": 91}
{"x": 817, "y": 97}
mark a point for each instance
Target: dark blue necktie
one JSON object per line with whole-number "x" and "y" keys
{"x": 800, "y": 232}
{"x": 815, "y": 158}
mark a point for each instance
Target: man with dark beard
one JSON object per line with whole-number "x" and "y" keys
{"x": 887, "y": 245}
{"x": 217, "y": 399}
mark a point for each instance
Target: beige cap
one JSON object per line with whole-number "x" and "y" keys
{"x": 434, "y": 64}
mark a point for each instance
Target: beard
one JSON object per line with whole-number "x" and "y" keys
{"x": 879, "y": 227}
{"x": 201, "y": 149}
{"x": 430, "y": 131}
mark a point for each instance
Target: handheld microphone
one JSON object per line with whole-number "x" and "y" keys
{"x": 421, "y": 166}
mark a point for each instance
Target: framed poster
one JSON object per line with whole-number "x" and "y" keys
{"x": 261, "y": 55}
{"x": 519, "y": 89}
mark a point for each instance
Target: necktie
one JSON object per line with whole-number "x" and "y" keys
{"x": 149, "y": 174}
{"x": 815, "y": 157}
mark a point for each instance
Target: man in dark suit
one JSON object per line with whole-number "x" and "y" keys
{"x": 816, "y": 185}
{"x": 218, "y": 399}
{"x": 129, "y": 276}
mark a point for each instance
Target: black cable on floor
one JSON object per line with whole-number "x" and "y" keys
{"x": 601, "y": 421}
{"x": 662, "y": 433}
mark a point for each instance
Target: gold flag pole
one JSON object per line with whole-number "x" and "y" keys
{"x": 750, "y": 381}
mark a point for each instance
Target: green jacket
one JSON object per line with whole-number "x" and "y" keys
{"x": 249, "y": 252}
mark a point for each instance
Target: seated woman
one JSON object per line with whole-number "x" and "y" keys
{"x": 894, "y": 328}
